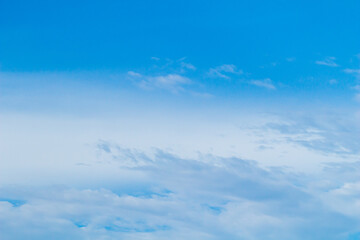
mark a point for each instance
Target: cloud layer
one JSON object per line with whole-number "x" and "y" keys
{"x": 208, "y": 197}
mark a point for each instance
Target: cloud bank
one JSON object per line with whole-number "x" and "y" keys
{"x": 208, "y": 197}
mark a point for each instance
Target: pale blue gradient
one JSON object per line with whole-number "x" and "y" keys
{"x": 180, "y": 120}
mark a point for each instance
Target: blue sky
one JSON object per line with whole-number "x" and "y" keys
{"x": 180, "y": 119}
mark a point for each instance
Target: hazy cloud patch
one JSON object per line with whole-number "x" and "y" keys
{"x": 266, "y": 83}
{"x": 224, "y": 71}
{"x": 208, "y": 197}
{"x": 328, "y": 61}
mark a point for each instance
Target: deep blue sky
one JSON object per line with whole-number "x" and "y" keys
{"x": 73, "y": 35}
{"x": 276, "y": 40}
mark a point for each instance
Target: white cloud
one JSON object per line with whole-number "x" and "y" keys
{"x": 171, "y": 82}
{"x": 187, "y": 66}
{"x": 330, "y": 134}
{"x": 344, "y": 199}
{"x": 208, "y": 198}
{"x": 355, "y": 72}
{"x": 168, "y": 75}
{"x": 357, "y": 97}
{"x": 224, "y": 70}
{"x": 328, "y": 61}
{"x": 266, "y": 83}
{"x": 134, "y": 74}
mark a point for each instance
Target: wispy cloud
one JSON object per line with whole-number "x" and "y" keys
{"x": 328, "y": 61}
{"x": 178, "y": 66}
{"x": 224, "y": 70}
{"x": 329, "y": 134}
{"x": 266, "y": 83}
{"x": 208, "y": 197}
{"x": 134, "y": 74}
{"x": 355, "y": 72}
{"x": 171, "y": 82}
{"x": 186, "y": 65}
{"x": 357, "y": 97}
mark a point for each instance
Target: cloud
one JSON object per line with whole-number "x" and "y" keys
{"x": 204, "y": 197}
{"x": 329, "y": 134}
{"x": 208, "y": 197}
{"x": 357, "y": 97}
{"x": 328, "y": 61}
{"x": 185, "y": 65}
{"x": 189, "y": 66}
{"x": 166, "y": 75}
{"x": 171, "y": 82}
{"x": 179, "y": 66}
{"x": 266, "y": 83}
{"x": 355, "y": 72}
{"x": 224, "y": 70}
{"x": 345, "y": 197}
{"x": 134, "y": 74}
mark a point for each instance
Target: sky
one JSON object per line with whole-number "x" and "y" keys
{"x": 211, "y": 120}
